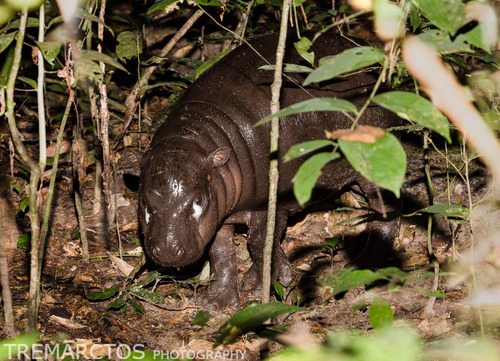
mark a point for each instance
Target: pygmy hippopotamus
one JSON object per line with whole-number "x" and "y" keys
{"x": 206, "y": 168}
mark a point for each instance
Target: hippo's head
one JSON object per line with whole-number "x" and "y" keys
{"x": 179, "y": 204}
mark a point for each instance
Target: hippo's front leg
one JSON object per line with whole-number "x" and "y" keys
{"x": 223, "y": 289}
{"x": 281, "y": 268}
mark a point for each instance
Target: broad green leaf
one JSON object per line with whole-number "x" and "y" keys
{"x": 447, "y": 15}
{"x": 250, "y": 318}
{"x": 6, "y": 39}
{"x": 24, "y": 241}
{"x": 208, "y": 64}
{"x": 446, "y": 210}
{"x": 413, "y": 107}
{"x": 475, "y": 37}
{"x": 308, "y": 174}
{"x": 347, "y": 61}
{"x": 302, "y": 46}
{"x": 8, "y": 60}
{"x": 414, "y": 17}
{"x": 201, "y": 318}
{"x": 147, "y": 294}
{"x": 31, "y": 23}
{"x": 313, "y": 105}
{"x": 32, "y": 83}
{"x": 106, "y": 59}
{"x": 129, "y": 45}
{"x": 161, "y": 5}
{"x": 382, "y": 162}
{"x": 103, "y": 295}
{"x": 442, "y": 42}
{"x": 49, "y": 50}
{"x": 278, "y": 288}
{"x": 56, "y": 20}
{"x": 343, "y": 280}
{"x": 20, "y": 4}
{"x": 381, "y": 315}
{"x": 298, "y": 150}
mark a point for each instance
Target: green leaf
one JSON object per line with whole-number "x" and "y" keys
{"x": 161, "y": 5}
{"x": 298, "y": 150}
{"x": 442, "y": 42}
{"x": 208, "y": 64}
{"x": 129, "y": 45}
{"x": 446, "y": 15}
{"x": 32, "y": 83}
{"x": 103, "y": 295}
{"x": 289, "y": 68}
{"x": 49, "y": 50}
{"x": 381, "y": 315}
{"x": 250, "y": 318}
{"x": 120, "y": 301}
{"x": 8, "y": 60}
{"x": 313, "y": 105}
{"x": 84, "y": 14}
{"x": 347, "y": 61}
{"x": 308, "y": 174}
{"x": 24, "y": 203}
{"x": 208, "y": 2}
{"x": 153, "y": 297}
{"x": 382, "y": 162}
{"x": 106, "y": 59}
{"x": 32, "y": 23}
{"x": 413, "y": 107}
{"x": 452, "y": 210}
{"x": 201, "y": 318}
{"x": 343, "y": 280}
{"x": 6, "y": 39}
{"x": 153, "y": 276}
{"x": 332, "y": 242}
{"x": 302, "y": 46}
{"x": 136, "y": 306}
{"x": 24, "y": 241}
{"x": 278, "y": 288}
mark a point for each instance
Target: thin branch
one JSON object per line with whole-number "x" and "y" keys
{"x": 273, "y": 167}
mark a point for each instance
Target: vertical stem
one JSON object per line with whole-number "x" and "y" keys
{"x": 273, "y": 167}
{"x": 40, "y": 94}
{"x": 10, "y": 328}
{"x": 35, "y": 174}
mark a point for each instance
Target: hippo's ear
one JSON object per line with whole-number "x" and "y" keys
{"x": 219, "y": 157}
{"x": 130, "y": 161}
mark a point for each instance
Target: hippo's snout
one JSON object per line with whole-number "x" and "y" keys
{"x": 170, "y": 252}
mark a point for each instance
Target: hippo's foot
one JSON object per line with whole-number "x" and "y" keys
{"x": 223, "y": 289}
{"x": 281, "y": 272}
{"x": 215, "y": 297}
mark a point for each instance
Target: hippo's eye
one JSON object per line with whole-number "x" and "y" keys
{"x": 198, "y": 201}
{"x": 198, "y": 207}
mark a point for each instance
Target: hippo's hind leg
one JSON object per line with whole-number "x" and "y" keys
{"x": 281, "y": 268}
{"x": 223, "y": 289}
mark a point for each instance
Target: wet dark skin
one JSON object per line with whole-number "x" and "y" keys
{"x": 206, "y": 168}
